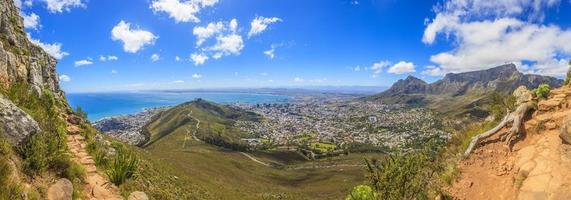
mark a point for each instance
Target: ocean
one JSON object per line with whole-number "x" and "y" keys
{"x": 101, "y": 105}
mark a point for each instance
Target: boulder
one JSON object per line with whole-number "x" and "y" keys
{"x": 15, "y": 124}
{"x": 565, "y": 132}
{"x": 138, "y": 195}
{"x": 61, "y": 190}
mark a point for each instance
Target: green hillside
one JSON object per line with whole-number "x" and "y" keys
{"x": 229, "y": 174}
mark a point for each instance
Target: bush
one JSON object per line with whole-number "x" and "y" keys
{"x": 542, "y": 91}
{"x": 362, "y": 192}
{"x": 404, "y": 175}
{"x": 122, "y": 167}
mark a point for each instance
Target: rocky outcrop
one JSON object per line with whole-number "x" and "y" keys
{"x": 15, "y": 124}
{"x": 60, "y": 190}
{"x": 20, "y": 59}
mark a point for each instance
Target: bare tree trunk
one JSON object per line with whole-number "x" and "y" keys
{"x": 476, "y": 139}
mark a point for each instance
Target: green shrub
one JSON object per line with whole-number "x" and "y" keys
{"x": 542, "y": 91}
{"x": 122, "y": 167}
{"x": 404, "y": 175}
{"x": 362, "y": 192}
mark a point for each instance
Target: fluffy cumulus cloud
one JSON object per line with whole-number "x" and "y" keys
{"x": 134, "y": 39}
{"x": 402, "y": 67}
{"x": 182, "y": 10}
{"x": 225, "y": 41}
{"x": 52, "y": 49}
{"x": 490, "y": 33}
{"x": 298, "y": 80}
{"x": 198, "y": 59}
{"x": 260, "y": 24}
{"x": 64, "y": 78}
{"x": 31, "y": 21}
{"x": 83, "y": 62}
{"x": 202, "y": 33}
{"x": 58, "y": 6}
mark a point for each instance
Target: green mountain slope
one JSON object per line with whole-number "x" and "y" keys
{"x": 218, "y": 120}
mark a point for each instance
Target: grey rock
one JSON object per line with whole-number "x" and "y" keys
{"x": 16, "y": 125}
{"x": 565, "y": 132}
{"x": 60, "y": 190}
{"x": 138, "y": 195}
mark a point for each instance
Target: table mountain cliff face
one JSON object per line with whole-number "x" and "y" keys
{"x": 20, "y": 59}
{"x": 468, "y": 87}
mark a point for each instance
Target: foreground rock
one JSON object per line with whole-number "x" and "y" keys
{"x": 15, "y": 124}
{"x": 61, "y": 190}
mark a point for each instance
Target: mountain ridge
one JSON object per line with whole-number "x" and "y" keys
{"x": 469, "y": 87}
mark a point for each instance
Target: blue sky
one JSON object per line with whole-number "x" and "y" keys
{"x": 317, "y": 42}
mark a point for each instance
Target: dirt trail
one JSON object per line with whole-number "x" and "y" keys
{"x": 539, "y": 167}
{"x": 96, "y": 186}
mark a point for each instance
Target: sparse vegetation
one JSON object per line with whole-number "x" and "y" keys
{"x": 8, "y": 189}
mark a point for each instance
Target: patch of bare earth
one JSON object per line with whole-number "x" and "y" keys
{"x": 538, "y": 167}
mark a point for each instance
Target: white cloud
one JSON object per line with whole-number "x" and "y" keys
{"x": 270, "y": 53}
{"x": 497, "y": 32}
{"x": 178, "y": 81}
{"x": 108, "y": 58}
{"x": 226, "y": 41}
{"x": 31, "y": 21}
{"x": 62, "y": 5}
{"x": 197, "y": 76}
{"x": 227, "y": 45}
{"x": 114, "y": 71}
{"x": 64, "y": 78}
{"x": 433, "y": 71}
{"x": 155, "y": 57}
{"x": 203, "y": 33}
{"x": 83, "y": 62}
{"x": 182, "y": 10}
{"x": 356, "y": 69}
{"x": 260, "y": 24}
{"x": 299, "y": 80}
{"x": 176, "y": 58}
{"x": 133, "y": 39}
{"x": 402, "y": 67}
{"x": 52, "y": 49}
{"x": 379, "y": 66}
{"x": 198, "y": 58}
{"x": 264, "y": 74}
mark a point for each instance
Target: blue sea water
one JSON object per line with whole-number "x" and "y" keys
{"x": 101, "y": 105}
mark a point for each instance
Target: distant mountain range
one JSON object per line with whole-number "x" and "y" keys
{"x": 461, "y": 93}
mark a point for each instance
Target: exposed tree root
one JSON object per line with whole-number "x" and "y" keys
{"x": 515, "y": 118}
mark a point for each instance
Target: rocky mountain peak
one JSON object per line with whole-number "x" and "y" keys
{"x": 20, "y": 59}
